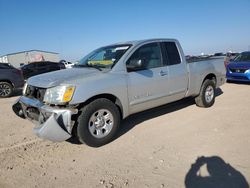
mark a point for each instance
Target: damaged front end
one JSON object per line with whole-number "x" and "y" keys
{"x": 52, "y": 123}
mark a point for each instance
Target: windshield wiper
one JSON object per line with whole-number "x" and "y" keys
{"x": 92, "y": 66}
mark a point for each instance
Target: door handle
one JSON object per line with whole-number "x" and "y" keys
{"x": 163, "y": 73}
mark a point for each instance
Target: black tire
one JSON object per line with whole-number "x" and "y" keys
{"x": 83, "y": 122}
{"x": 200, "y": 100}
{"x": 6, "y": 89}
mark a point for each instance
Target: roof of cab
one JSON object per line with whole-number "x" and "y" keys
{"x": 136, "y": 42}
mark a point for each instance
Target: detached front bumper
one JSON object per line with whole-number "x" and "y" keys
{"x": 52, "y": 123}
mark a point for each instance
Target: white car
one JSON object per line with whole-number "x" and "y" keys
{"x": 67, "y": 64}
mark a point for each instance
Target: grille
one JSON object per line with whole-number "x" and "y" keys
{"x": 240, "y": 77}
{"x": 35, "y": 92}
{"x": 238, "y": 70}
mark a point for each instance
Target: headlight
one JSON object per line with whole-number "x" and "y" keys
{"x": 59, "y": 94}
{"x": 24, "y": 88}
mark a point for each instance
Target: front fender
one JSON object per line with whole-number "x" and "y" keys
{"x": 113, "y": 84}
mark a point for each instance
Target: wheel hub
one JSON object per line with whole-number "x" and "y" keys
{"x": 4, "y": 90}
{"x": 209, "y": 94}
{"x": 101, "y": 123}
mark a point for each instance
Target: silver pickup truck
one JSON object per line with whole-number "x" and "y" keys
{"x": 111, "y": 83}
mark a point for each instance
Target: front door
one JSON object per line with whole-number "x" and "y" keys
{"x": 147, "y": 87}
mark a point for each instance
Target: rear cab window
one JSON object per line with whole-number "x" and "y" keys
{"x": 171, "y": 53}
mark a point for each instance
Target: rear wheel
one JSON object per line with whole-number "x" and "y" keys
{"x": 98, "y": 122}
{"x": 6, "y": 89}
{"x": 206, "y": 97}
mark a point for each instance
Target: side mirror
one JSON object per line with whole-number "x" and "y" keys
{"x": 134, "y": 65}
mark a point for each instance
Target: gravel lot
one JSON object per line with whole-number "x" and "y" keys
{"x": 154, "y": 149}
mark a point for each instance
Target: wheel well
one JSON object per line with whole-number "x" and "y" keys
{"x": 7, "y": 82}
{"x": 110, "y": 97}
{"x": 210, "y": 77}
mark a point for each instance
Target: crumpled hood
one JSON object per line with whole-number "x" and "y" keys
{"x": 66, "y": 76}
{"x": 239, "y": 65}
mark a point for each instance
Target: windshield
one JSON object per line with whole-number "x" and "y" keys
{"x": 245, "y": 56}
{"x": 104, "y": 58}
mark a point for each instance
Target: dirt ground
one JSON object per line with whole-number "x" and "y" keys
{"x": 155, "y": 148}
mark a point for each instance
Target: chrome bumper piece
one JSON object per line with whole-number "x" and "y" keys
{"x": 52, "y": 123}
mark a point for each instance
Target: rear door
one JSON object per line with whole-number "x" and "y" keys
{"x": 147, "y": 88}
{"x": 177, "y": 70}
{"x": 4, "y": 71}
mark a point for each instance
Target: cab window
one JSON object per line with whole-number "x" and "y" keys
{"x": 5, "y": 66}
{"x": 149, "y": 55}
{"x": 171, "y": 53}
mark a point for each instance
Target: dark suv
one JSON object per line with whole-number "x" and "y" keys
{"x": 10, "y": 79}
{"x": 36, "y": 68}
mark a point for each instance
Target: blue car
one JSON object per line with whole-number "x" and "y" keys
{"x": 239, "y": 68}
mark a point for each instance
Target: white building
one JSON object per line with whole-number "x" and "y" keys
{"x": 25, "y": 57}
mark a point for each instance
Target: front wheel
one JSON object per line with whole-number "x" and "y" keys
{"x": 6, "y": 89}
{"x": 98, "y": 122}
{"x": 206, "y": 97}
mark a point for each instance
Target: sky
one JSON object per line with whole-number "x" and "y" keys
{"x": 73, "y": 28}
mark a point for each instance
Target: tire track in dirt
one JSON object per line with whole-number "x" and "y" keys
{"x": 19, "y": 146}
